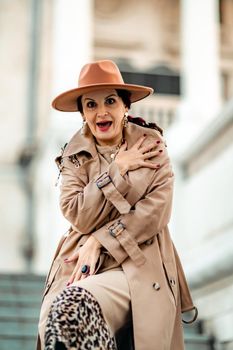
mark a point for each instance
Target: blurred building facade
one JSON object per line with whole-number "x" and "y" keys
{"x": 184, "y": 49}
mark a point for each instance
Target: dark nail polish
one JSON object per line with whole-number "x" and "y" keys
{"x": 65, "y": 260}
{"x": 157, "y": 142}
{"x": 160, "y": 150}
{"x": 67, "y": 284}
{"x": 144, "y": 135}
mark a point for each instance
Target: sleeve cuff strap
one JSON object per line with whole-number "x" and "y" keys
{"x": 104, "y": 180}
{"x": 111, "y": 193}
{"x": 118, "y": 230}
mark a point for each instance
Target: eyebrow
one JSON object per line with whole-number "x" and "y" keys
{"x": 91, "y": 99}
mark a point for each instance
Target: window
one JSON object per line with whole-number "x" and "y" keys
{"x": 167, "y": 84}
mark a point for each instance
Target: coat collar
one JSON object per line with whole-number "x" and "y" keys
{"x": 80, "y": 143}
{"x": 86, "y": 143}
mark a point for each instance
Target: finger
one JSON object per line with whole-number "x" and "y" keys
{"x": 93, "y": 266}
{"x": 84, "y": 276}
{"x": 149, "y": 155}
{"x": 78, "y": 275}
{"x": 73, "y": 257}
{"x": 75, "y": 274}
{"x": 71, "y": 280}
{"x": 151, "y": 165}
{"x": 149, "y": 146}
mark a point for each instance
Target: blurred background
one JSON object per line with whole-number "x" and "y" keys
{"x": 181, "y": 48}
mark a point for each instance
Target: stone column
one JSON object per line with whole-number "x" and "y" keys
{"x": 200, "y": 60}
{"x": 71, "y": 48}
{"x": 200, "y": 73}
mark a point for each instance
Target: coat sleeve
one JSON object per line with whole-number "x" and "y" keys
{"x": 86, "y": 203}
{"x": 122, "y": 237}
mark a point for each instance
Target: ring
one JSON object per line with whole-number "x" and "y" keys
{"x": 85, "y": 269}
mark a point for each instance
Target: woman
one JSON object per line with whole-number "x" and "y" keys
{"x": 117, "y": 264}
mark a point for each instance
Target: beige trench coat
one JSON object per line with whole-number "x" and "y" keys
{"x": 128, "y": 216}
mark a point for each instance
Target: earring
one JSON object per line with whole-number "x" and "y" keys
{"x": 125, "y": 120}
{"x": 84, "y": 127}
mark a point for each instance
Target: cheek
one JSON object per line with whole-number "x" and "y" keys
{"x": 119, "y": 123}
{"x": 90, "y": 120}
{"x": 119, "y": 119}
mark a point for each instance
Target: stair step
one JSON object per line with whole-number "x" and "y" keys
{"x": 18, "y": 295}
{"x": 197, "y": 341}
{"x": 18, "y": 298}
{"x": 17, "y": 304}
{"x": 193, "y": 328}
{"x": 25, "y": 283}
{"x": 16, "y": 311}
{"x": 24, "y": 287}
{"x": 5, "y": 278}
{"x": 15, "y": 329}
{"x": 18, "y": 343}
{"x": 19, "y": 319}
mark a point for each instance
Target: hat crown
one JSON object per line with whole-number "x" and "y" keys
{"x": 100, "y": 72}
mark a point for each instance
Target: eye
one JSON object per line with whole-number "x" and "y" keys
{"x": 91, "y": 104}
{"x": 110, "y": 101}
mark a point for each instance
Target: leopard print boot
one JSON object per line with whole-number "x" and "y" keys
{"x": 75, "y": 322}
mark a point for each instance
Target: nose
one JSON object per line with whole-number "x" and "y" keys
{"x": 105, "y": 114}
{"x": 101, "y": 112}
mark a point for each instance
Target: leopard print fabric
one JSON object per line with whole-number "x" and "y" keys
{"x": 75, "y": 322}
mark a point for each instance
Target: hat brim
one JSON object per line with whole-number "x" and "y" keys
{"x": 67, "y": 101}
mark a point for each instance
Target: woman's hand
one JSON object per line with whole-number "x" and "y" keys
{"x": 137, "y": 156}
{"x": 88, "y": 255}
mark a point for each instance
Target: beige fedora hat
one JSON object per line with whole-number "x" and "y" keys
{"x": 95, "y": 75}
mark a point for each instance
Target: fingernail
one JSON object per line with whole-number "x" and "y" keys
{"x": 144, "y": 135}
{"x": 158, "y": 166}
{"x": 66, "y": 259}
{"x": 157, "y": 142}
{"x": 160, "y": 150}
{"x": 67, "y": 284}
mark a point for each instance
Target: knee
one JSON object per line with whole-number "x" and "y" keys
{"x": 74, "y": 300}
{"x": 66, "y": 299}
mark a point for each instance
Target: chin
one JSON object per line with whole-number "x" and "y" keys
{"x": 105, "y": 136}
{"x": 108, "y": 139}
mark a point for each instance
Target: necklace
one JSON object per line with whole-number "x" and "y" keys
{"x": 114, "y": 154}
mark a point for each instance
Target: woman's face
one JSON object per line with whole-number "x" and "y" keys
{"x": 104, "y": 111}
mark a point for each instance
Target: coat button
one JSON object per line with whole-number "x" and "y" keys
{"x": 172, "y": 282}
{"x": 156, "y": 286}
{"x": 149, "y": 241}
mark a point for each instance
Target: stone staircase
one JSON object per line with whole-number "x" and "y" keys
{"x": 20, "y": 299}
{"x": 196, "y": 339}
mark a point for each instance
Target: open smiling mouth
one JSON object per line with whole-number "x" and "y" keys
{"x": 104, "y": 125}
